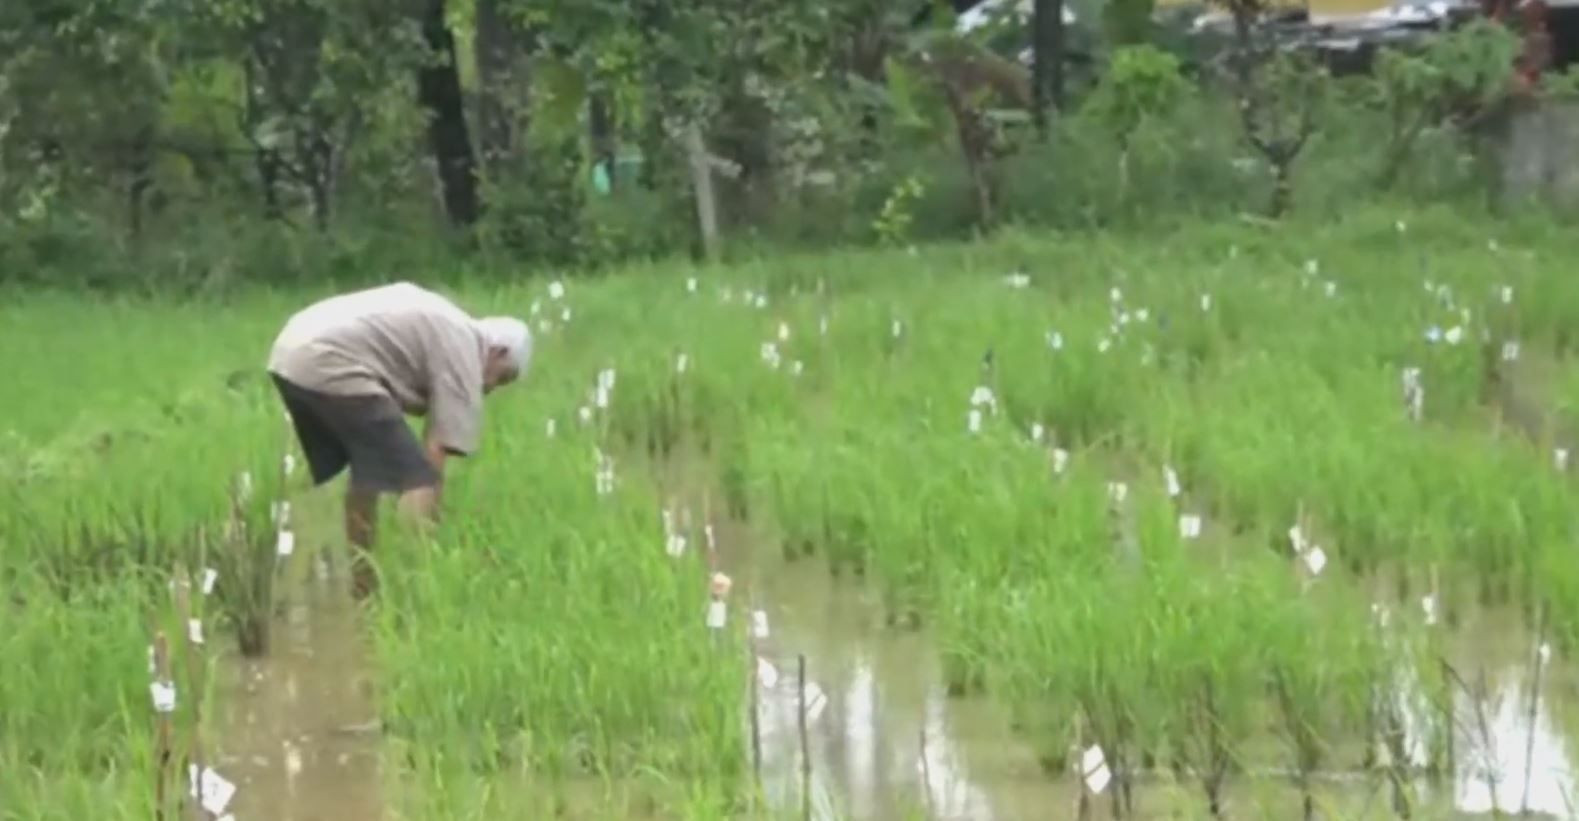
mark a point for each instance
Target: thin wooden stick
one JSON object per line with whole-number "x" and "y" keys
{"x": 1535, "y": 705}
{"x": 195, "y": 667}
{"x": 756, "y": 702}
{"x": 162, "y": 721}
{"x": 926, "y": 773}
{"x": 805, "y": 742}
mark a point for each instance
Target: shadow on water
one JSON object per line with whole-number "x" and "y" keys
{"x": 289, "y": 735}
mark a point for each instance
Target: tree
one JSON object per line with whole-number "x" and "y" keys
{"x": 439, "y": 91}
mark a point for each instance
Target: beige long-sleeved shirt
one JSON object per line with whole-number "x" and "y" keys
{"x": 400, "y": 340}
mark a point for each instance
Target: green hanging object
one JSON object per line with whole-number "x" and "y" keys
{"x": 600, "y": 178}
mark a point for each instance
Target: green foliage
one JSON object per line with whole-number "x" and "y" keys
{"x": 1129, "y": 22}
{"x": 1141, "y": 83}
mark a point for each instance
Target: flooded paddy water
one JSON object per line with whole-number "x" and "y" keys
{"x": 884, "y": 737}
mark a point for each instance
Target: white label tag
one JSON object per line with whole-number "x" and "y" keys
{"x": 1036, "y": 431}
{"x": 717, "y": 613}
{"x": 898, "y": 328}
{"x": 1296, "y": 538}
{"x": 1206, "y": 302}
{"x": 1190, "y": 526}
{"x": 289, "y": 464}
{"x": 551, "y": 428}
{"x": 1315, "y": 559}
{"x": 163, "y": 696}
{"x": 1545, "y": 652}
{"x": 153, "y": 665}
{"x": 556, "y": 290}
{"x": 286, "y": 544}
{"x": 194, "y": 630}
{"x": 1507, "y": 294}
{"x": 707, "y": 533}
{"x": 210, "y": 575}
{"x": 816, "y": 701}
{"x": 244, "y": 485}
{"x": 759, "y": 624}
{"x": 822, "y": 326}
{"x": 973, "y": 421}
{"x": 1093, "y": 769}
{"x": 1173, "y": 481}
{"x": 211, "y": 789}
{"x": 783, "y": 332}
{"x": 1454, "y": 335}
{"x": 1055, "y": 340}
{"x": 564, "y": 316}
{"x": 767, "y": 674}
{"x": 1117, "y": 491}
{"x": 1103, "y": 345}
{"x": 675, "y": 545}
{"x": 1510, "y": 351}
{"x": 690, "y": 285}
{"x": 1428, "y": 604}
{"x": 681, "y": 363}
{"x": 797, "y": 367}
{"x": 1560, "y": 459}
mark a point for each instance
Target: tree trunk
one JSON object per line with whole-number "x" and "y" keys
{"x": 439, "y": 91}
{"x": 1047, "y": 45}
{"x": 496, "y": 51}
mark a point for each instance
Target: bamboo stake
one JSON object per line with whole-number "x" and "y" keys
{"x": 1535, "y": 703}
{"x": 163, "y": 752}
{"x": 805, "y": 741}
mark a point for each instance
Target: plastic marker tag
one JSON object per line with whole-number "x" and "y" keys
{"x": 762, "y": 301}
{"x": 1545, "y": 652}
{"x": 675, "y": 545}
{"x": 816, "y": 701}
{"x": 1037, "y": 432}
{"x": 707, "y": 532}
{"x": 1510, "y": 351}
{"x": 1332, "y": 288}
{"x": 1117, "y": 491}
{"x": 1190, "y": 526}
{"x": 1296, "y": 538}
{"x": 1507, "y": 294}
{"x": 211, "y": 789}
{"x": 550, "y": 428}
{"x": 1315, "y": 559}
{"x": 1061, "y": 462}
{"x": 163, "y": 696}
{"x": 767, "y": 673}
{"x": 1312, "y": 267}
{"x": 564, "y": 316}
{"x": 210, "y": 575}
{"x": 244, "y": 485}
{"x": 289, "y": 463}
{"x": 1103, "y": 345}
{"x": 286, "y": 544}
{"x": 585, "y": 414}
{"x": 556, "y": 290}
{"x": 1055, "y": 340}
{"x": 797, "y": 367}
{"x": 1206, "y": 302}
{"x": 194, "y": 630}
{"x": 1093, "y": 769}
{"x": 1560, "y": 458}
{"x": 690, "y": 285}
{"x": 681, "y": 363}
{"x": 783, "y": 332}
{"x": 1173, "y": 481}
{"x": 1116, "y": 295}
{"x": 1454, "y": 335}
{"x": 1017, "y": 280}
{"x": 717, "y": 613}
{"x": 898, "y": 328}
{"x": 973, "y": 421}
{"x": 759, "y": 624}
{"x": 982, "y": 396}
{"x": 1428, "y": 604}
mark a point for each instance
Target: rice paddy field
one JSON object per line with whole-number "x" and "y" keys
{"x": 1234, "y": 522}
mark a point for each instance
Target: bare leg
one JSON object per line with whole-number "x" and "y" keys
{"x": 361, "y": 511}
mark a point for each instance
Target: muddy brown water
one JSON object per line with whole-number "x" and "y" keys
{"x": 885, "y": 739}
{"x": 295, "y": 725}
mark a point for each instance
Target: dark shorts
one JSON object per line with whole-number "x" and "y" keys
{"x": 369, "y": 433}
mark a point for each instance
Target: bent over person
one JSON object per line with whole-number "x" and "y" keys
{"x": 349, "y": 369}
